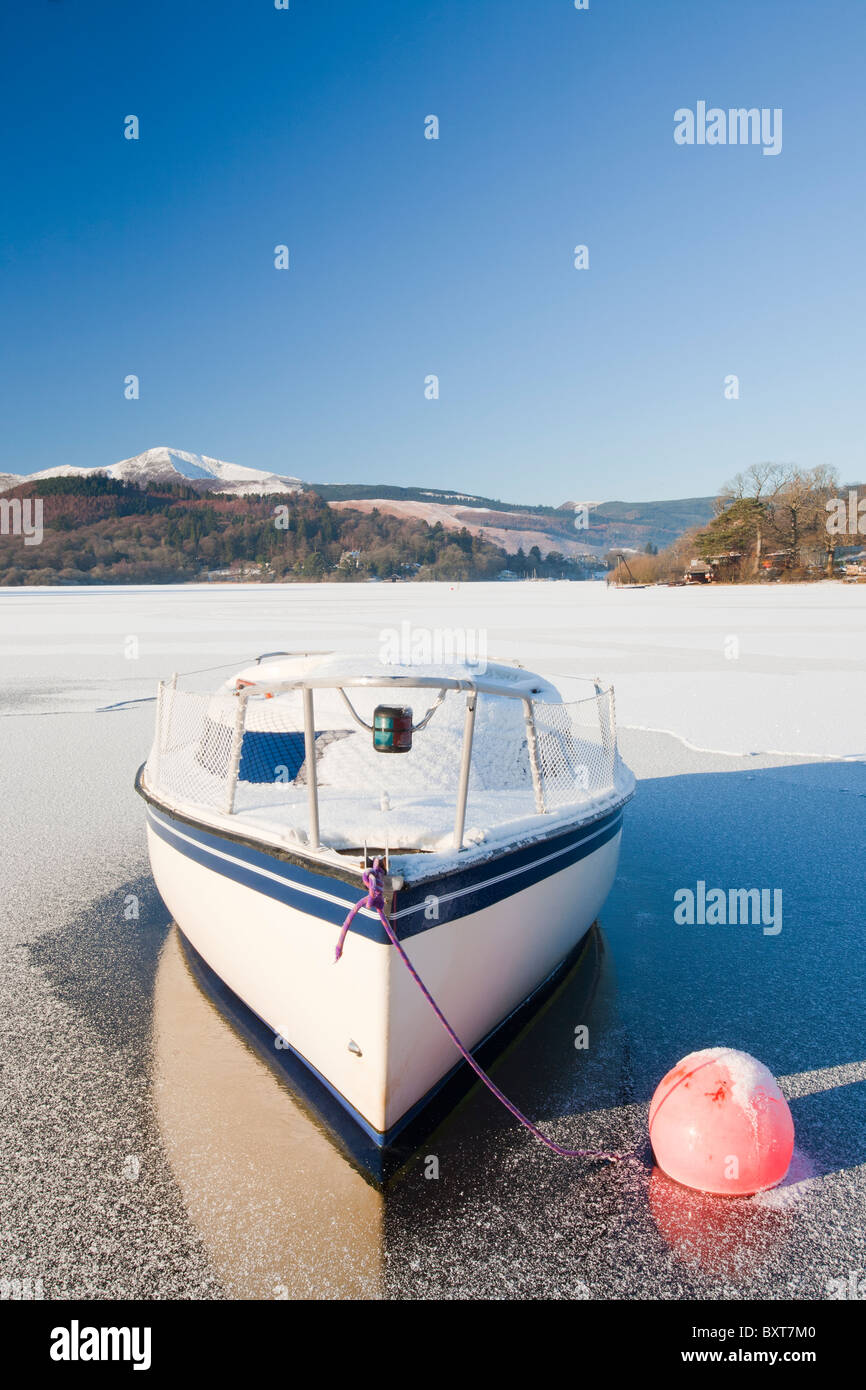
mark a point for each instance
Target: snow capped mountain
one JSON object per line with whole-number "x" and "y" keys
{"x": 164, "y": 465}
{"x": 169, "y": 465}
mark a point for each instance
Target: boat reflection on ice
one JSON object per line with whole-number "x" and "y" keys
{"x": 281, "y": 1213}
{"x": 282, "y": 1210}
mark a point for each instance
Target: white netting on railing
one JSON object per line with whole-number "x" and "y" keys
{"x": 209, "y": 748}
{"x": 247, "y": 755}
{"x": 189, "y": 761}
{"x": 576, "y": 749}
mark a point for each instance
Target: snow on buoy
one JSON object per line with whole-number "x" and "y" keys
{"x": 719, "y": 1123}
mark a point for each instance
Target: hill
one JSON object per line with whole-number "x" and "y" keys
{"x": 162, "y": 483}
{"x": 100, "y": 530}
{"x": 174, "y": 466}
{"x": 591, "y": 528}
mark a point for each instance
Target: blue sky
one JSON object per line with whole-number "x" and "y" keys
{"x": 412, "y": 256}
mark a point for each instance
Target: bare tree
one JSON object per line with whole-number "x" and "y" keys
{"x": 799, "y": 508}
{"x": 759, "y": 485}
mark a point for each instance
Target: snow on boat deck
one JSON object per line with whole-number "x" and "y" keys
{"x": 129, "y": 1180}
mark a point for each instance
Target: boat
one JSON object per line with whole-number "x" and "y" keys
{"x": 493, "y": 803}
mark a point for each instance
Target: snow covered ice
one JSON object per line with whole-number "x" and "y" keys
{"x": 741, "y": 712}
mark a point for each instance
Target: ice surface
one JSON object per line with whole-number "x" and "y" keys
{"x": 736, "y": 670}
{"x": 507, "y": 1219}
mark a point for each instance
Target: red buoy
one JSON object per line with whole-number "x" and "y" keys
{"x": 719, "y": 1123}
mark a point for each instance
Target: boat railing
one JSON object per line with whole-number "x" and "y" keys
{"x": 202, "y": 753}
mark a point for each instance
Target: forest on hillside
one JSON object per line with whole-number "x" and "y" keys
{"x": 96, "y": 530}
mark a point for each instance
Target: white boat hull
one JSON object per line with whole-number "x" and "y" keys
{"x": 362, "y": 1026}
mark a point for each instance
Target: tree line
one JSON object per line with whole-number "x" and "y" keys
{"x": 99, "y": 530}
{"x": 770, "y": 521}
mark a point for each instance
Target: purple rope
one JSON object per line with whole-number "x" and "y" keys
{"x": 375, "y": 900}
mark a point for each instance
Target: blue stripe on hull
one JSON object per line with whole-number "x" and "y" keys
{"x": 483, "y": 884}
{"x": 317, "y": 894}
{"x": 458, "y": 893}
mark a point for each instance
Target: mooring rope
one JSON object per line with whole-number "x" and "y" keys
{"x": 375, "y": 901}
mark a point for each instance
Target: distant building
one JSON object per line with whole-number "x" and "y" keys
{"x": 699, "y": 572}
{"x": 774, "y": 562}
{"x": 240, "y": 571}
{"x": 714, "y": 567}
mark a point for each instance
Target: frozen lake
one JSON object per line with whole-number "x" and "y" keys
{"x": 150, "y": 1153}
